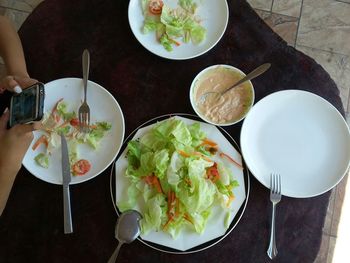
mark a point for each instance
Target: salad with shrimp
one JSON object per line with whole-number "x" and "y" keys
{"x": 179, "y": 175}
{"x": 60, "y": 120}
{"x": 173, "y": 26}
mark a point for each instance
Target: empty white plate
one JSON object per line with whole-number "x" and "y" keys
{"x": 299, "y": 135}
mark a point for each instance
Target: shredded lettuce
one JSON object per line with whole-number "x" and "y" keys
{"x": 42, "y": 159}
{"x": 172, "y": 154}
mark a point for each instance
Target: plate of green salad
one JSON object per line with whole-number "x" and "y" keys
{"x": 178, "y": 29}
{"x": 188, "y": 180}
{"x": 89, "y": 153}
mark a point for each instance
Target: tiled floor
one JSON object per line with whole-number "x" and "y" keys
{"x": 320, "y": 29}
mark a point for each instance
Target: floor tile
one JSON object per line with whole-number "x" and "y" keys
{"x": 327, "y": 227}
{"x": 341, "y": 251}
{"x": 323, "y": 253}
{"x": 338, "y": 206}
{"x": 338, "y": 67}
{"x": 344, "y": 1}
{"x": 284, "y": 26}
{"x": 331, "y": 247}
{"x": 261, "y": 4}
{"x": 325, "y": 24}
{"x": 21, "y": 5}
{"x": 287, "y": 7}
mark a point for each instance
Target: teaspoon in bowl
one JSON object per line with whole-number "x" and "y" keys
{"x": 256, "y": 72}
{"x": 127, "y": 230}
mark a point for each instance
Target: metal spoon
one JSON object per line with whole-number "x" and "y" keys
{"x": 127, "y": 230}
{"x": 256, "y": 72}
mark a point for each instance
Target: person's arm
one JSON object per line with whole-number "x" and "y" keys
{"x": 11, "y": 49}
{"x": 14, "y": 143}
{"x": 12, "y": 53}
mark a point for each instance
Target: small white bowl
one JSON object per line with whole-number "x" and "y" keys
{"x": 234, "y": 95}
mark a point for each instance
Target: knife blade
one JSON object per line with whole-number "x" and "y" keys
{"x": 66, "y": 179}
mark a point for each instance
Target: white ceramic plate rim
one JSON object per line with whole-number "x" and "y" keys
{"x": 214, "y": 20}
{"x": 264, "y": 125}
{"x": 192, "y": 87}
{"x": 53, "y": 174}
{"x": 212, "y": 242}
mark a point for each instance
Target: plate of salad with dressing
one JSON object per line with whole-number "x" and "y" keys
{"x": 89, "y": 153}
{"x": 188, "y": 180}
{"x": 178, "y": 29}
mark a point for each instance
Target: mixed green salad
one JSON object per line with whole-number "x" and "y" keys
{"x": 60, "y": 120}
{"x": 180, "y": 175}
{"x": 173, "y": 26}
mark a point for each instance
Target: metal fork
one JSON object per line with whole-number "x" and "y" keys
{"x": 84, "y": 110}
{"x": 275, "y": 197}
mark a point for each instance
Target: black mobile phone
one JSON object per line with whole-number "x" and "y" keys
{"x": 27, "y": 106}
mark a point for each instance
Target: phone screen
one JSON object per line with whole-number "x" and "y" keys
{"x": 24, "y": 106}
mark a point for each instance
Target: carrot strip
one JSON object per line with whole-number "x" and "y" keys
{"x": 232, "y": 160}
{"x": 42, "y": 139}
{"x": 230, "y": 199}
{"x": 154, "y": 181}
{"x": 167, "y": 223}
{"x": 203, "y": 156}
{"x": 177, "y": 207}
{"x": 206, "y": 141}
{"x": 188, "y": 218}
{"x": 182, "y": 153}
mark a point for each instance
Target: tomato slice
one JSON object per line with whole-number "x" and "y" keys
{"x": 155, "y": 6}
{"x": 81, "y": 167}
{"x": 74, "y": 122}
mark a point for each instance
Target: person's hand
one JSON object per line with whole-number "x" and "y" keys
{"x": 16, "y": 83}
{"x": 14, "y": 143}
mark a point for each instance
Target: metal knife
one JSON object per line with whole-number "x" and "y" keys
{"x": 66, "y": 179}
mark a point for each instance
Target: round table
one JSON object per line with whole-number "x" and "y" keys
{"x": 146, "y": 86}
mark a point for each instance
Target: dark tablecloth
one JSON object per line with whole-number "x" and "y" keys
{"x": 146, "y": 86}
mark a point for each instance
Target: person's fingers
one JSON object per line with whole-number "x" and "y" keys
{"x": 4, "y": 119}
{"x": 16, "y": 84}
{"x": 25, "y": 82}
{"x": 8, "y": 83}
{"x": 24, "y": 128}
{"x": 37, "y": 125}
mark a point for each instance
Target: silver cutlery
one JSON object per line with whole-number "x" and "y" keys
{"x": 275, "y": 197}
{"x": 84, "y": 110}
{"x": 66, "y": 179}
{"x": 127, "y": 230}
{"x": 255, "y": 73}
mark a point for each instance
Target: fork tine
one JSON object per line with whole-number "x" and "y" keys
{"x": 273, "y": 181}
{"x": 279, "y": 183}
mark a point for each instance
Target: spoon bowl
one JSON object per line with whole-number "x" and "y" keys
{"x": 127, "y": 229}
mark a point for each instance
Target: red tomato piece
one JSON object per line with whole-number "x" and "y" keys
{"x": 74, "y": 122}
{"x": 155, "y": 6}
{"x": 81, "y": 167}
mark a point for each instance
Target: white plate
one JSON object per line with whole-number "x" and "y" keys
{"x": 300, "y": 136}
{"x": 188, "y": 241}
{"x": 103, "y": 107}
{"x": 214, "y": 15}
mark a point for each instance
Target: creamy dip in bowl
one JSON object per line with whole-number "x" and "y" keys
{"x": 228, "y": 108}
